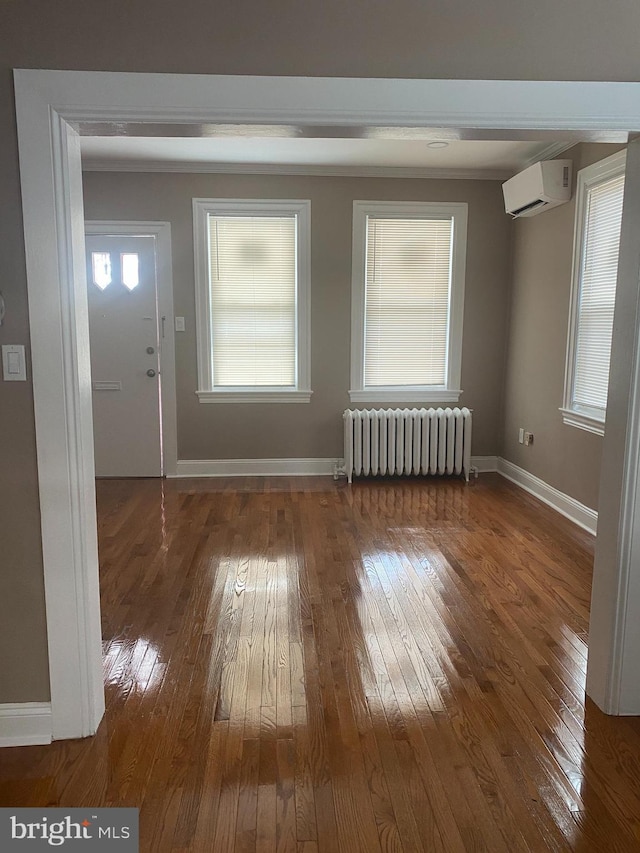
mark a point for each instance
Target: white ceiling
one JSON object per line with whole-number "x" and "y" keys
{"x": 491, "y": 159}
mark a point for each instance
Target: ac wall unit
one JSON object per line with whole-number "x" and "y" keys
{"x": 544, "y": 185}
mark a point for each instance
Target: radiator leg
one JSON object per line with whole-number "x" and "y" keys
{"x": 339, "y": 471}
{"x": 473, "y": 470}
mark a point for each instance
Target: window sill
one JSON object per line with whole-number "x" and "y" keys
{"x": 405, "y": 394}
{"x": 581, "y": 421}
{"x": 252, "y": 395}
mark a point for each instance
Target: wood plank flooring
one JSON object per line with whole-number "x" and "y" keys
{"x": 299, "y": 665}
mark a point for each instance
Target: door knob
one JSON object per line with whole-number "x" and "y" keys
{"x": 151, "y": 372}
{"x": 150, "y": 350}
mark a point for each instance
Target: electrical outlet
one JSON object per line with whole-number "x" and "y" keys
{"x": 520, "y": 436}
{"x": 528, "y": 438}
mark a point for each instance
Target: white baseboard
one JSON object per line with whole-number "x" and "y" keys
{"x": 25, "y": 723}
{"x": 572, "y": 509}
{"x": 283, "y": 467}
{"x": 485, "y": 464}
{"x": 255, "y": 467}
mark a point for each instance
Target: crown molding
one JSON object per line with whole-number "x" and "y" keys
{"x": 549, "y": 152}
{"x": 196, "y": 167}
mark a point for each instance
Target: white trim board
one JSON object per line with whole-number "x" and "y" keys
{"x": 48, "y": 104}
{"x": 195, "y": 167}
{"x": 572, "y": 509}
{"x": 25, "y": 724}
{"x": 164, "y": 277}
{"x": 131, "y": 164}
{"x": 284, "y": 467}
{"x": 256, "y": 467}
{"x": 485, "y": 464}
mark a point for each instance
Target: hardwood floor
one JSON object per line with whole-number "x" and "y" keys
{"x": 300, "y": 665}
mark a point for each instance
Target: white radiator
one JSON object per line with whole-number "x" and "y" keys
{"x": 407, "y": 441}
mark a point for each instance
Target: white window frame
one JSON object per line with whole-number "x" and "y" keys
{"x": 301, "y": 208}
{"x": 449, "y": 392}
{"x": 611, "y": 167}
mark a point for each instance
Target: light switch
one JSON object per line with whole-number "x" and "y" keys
{"x": 13, "y": 363}
{"x": 14, "y": 367}
{"x": 179, "y": 324}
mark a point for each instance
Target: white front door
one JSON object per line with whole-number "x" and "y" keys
{"x": 124, "y": 334}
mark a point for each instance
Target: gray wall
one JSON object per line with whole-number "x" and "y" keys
{"x": 227, "y": 431}
{"x": 573, "y": 40}
{"x": 563, "y": 456}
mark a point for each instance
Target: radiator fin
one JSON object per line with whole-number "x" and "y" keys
{"x": 407, "y": 441}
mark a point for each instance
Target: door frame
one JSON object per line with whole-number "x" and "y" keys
{"x": 166, "y": 346}
{"x": 49, "y": 104}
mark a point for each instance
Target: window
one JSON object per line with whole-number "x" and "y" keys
{"x": 593, "y": 292}
{"x": 252, "y": 300}
{"x": 101, "y": 271}
{"x": 407, "y": 301}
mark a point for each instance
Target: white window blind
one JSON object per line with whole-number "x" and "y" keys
{"x": 599, "y": 269}
{"x": 407, "y": 300}
{"x": 252, "y": 272}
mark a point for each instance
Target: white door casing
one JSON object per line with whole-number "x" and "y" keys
{"x": 47, "y": 105}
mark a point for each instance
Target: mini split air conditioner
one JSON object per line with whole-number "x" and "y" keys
{"x": 540, "y": 187}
